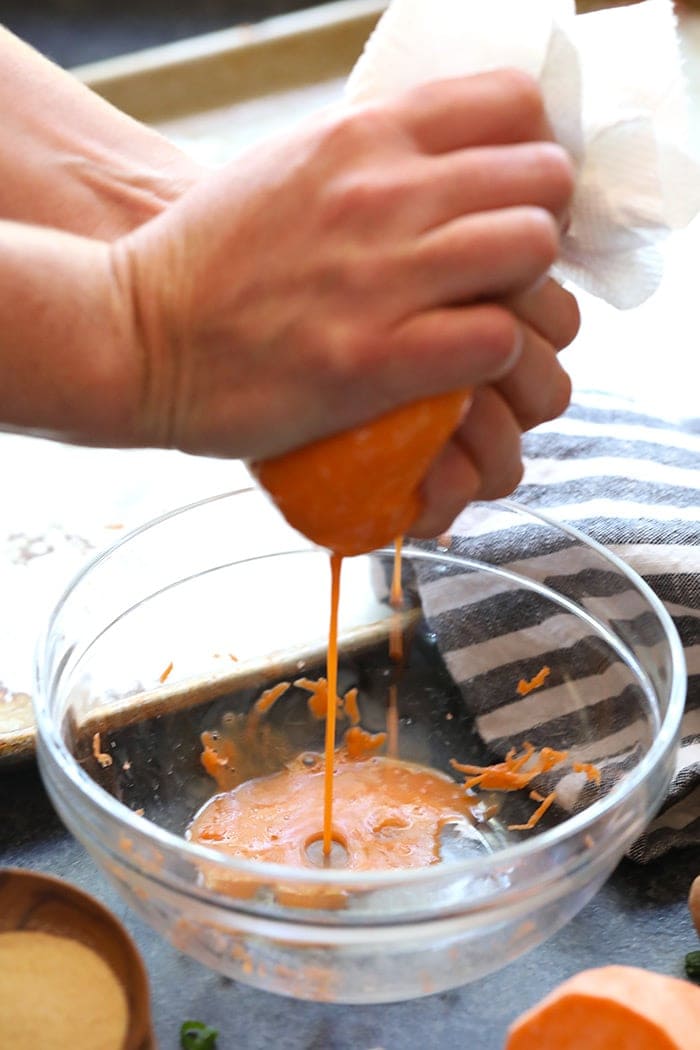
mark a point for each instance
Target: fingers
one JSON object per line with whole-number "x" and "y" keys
{"x": 468, "y": 346}
{"x": 537, "y": 388}
{"x": 488, "y": 178}
{"x": 486, "y": 255}
{"x": 504, "y": 106}
{"x": 550, "y": 310}
{"x": 490, "y": 437}
{"x": 482, "y": 461}
{"x": 487, "y": 343}
{"x": 452, "y": 482}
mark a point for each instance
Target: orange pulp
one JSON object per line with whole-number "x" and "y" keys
{"x": 377, "y": 467}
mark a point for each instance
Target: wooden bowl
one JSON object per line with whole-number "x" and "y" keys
{"x": 30, "y": 900}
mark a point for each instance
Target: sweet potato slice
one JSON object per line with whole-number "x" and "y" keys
{"x": 612, "y": 1008}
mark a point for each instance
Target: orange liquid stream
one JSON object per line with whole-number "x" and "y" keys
{"x": 396, "y": 596}
{"x": 332, "y": 705}
{"x": 396, "y": 653}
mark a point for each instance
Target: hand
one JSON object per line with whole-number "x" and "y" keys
{"x": 379, "y": 255}
{"x": 483, "y": 460}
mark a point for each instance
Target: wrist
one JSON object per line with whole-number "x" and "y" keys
{"x": 68, "y": 365}
{"x": 149, "y": 294}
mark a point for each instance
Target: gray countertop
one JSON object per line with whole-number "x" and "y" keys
{"x": 640, "y": 917}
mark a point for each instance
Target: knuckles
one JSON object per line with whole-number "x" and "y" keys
{"x": 351, "y": 133}
{"x": 359, "y": 196}
{"x": 369, "y": 170}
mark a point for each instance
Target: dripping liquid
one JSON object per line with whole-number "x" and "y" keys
{"x": 331, "y": 705}
{"x": 396, "y": 653}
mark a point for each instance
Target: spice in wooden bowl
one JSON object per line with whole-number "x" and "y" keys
{"x": 70, "y": 975}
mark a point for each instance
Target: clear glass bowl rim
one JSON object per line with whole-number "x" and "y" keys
{"x": 266, "y": 872}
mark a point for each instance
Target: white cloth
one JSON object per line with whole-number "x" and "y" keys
{"x": 614, "y": 93}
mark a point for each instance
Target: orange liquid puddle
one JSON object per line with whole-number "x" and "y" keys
{"x": 375, "y": 811}
{"x": 387, "y": 814}
{"x": 349, "y": 808}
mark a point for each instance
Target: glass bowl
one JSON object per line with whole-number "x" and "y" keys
{"x": 525, "y": 634}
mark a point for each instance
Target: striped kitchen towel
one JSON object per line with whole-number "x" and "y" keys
{"x": 631, "y": 482}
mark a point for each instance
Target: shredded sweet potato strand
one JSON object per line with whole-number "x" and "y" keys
{"x": 592, "y": 772}
{"x": 270, "y": 696}
{"x": 536, "y": 816}
{"x": 359, "y": 743}
{"x": 524, "y": 687}
{"x": 350, "y": 706}
{"x": 165, "y": 674}
{"x": 103, "y": 759}
{"x": 318, "y": 700}
{"x": 347, "y": 704}
{"x": 517, "y": 771}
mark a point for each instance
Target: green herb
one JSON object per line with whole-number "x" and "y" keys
{"x": 692, "y": 966}
{"x": 195, "y": 1035}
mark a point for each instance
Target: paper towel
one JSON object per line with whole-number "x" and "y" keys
{"x": 614, "y": 93}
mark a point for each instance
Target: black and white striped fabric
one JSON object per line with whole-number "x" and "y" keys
{"x": 631, "y": 482}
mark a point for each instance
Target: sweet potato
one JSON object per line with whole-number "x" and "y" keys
{"x": 612, "y": 1008}
{"x": 358, "y": 490}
